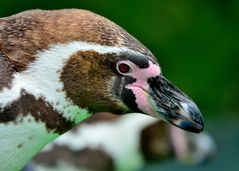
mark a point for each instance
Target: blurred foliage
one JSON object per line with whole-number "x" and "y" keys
{"x": 196, "y": 42}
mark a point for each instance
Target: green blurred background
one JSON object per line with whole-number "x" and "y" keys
{"x": 196, "y": 43}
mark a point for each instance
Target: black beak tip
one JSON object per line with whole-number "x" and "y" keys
{"x": 195, "y": 122}
{"x": 191, "y": 126}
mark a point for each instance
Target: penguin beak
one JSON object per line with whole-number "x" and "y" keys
{"x": 169, "y": 103}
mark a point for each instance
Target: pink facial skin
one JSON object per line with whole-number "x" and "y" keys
{"x": 140, "y": 87}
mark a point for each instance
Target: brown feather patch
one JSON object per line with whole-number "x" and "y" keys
{"x": 155, "y": 142}
{"x": 87, "y": 77}
{"x": 40, "y": 110}
{"x": 89, "y": 159}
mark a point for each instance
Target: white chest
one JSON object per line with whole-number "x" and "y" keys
{"x": 20, "y": 140}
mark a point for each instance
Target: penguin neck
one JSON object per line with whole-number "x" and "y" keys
{"x": 28, "y": 124}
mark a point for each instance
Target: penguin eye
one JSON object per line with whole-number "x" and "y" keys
{"x": 123, "y": 68}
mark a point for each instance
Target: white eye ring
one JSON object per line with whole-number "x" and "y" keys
{"x": 123, "y": 68}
